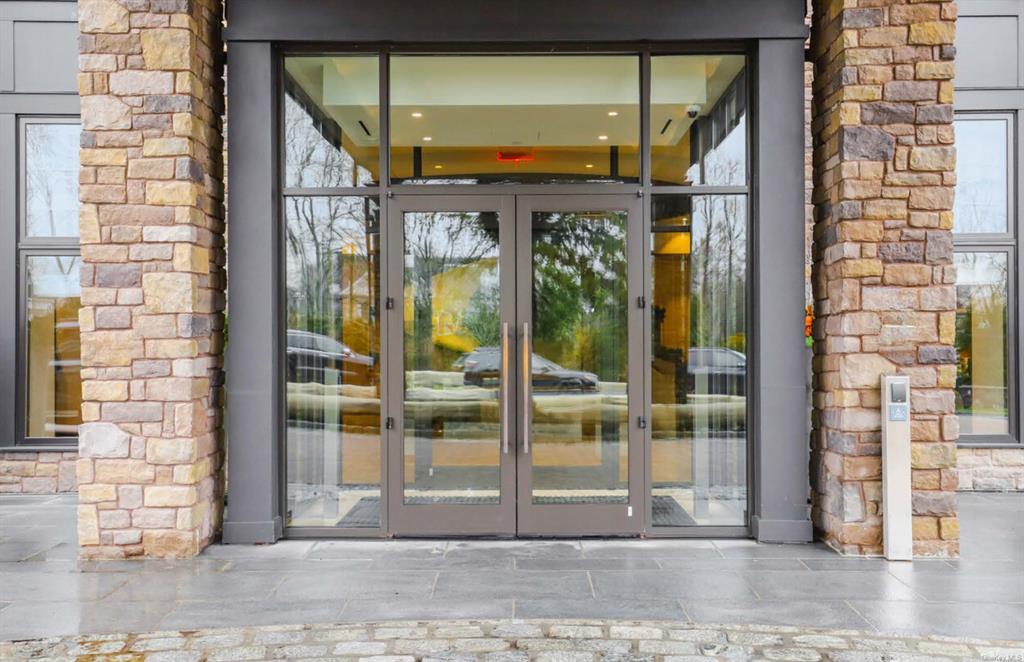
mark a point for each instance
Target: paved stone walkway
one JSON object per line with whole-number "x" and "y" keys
{"x": 512, "y": 641}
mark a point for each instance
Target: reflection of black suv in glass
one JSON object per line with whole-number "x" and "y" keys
{"x": 310, "y": 355}
{"x": 716, "y": 370}
{"x": 480, "y": 367}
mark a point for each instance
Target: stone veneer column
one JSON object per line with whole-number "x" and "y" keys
{"x": 149, "y": 473}
{"x": 883, "y": 275}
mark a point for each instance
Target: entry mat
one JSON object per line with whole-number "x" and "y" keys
{"x": 366, "y": 512}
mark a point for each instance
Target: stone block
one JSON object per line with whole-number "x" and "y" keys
{"x": 167, "y": 49}
{"x": 134, "y": 82}
{"x": 170, "y": 544}
{"x": 864, "y": 370}
{"x": 864, "y": 143}
{"x": 88, "y": 525}
{"x": 96, "y": 16}
{"x": 104, "y": 440}
{"x": 932, "y": 455}
{"x": 171, "y": 451}
{"x": 170, "y": 292}
{"x": 932, "y": 33}
{"x": 934, "y": 503}
{"x": 933, "y": 158}
{"x": 157, "y": 496}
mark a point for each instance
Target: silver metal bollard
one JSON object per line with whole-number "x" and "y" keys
{"x": 897, "y": 528}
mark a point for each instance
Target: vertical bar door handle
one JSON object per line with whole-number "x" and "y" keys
{"x": 505, "y": 393}
{"x": 527, "y": 384}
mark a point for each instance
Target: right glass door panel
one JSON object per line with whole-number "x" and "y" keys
{"x": 579, "y": 363}
{"x": 699, "y": 361}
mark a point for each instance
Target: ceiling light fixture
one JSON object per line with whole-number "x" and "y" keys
{"x": 613, "y": 113}
{"x": 427, "y": 139}
{"x": 602, "y": 137}
{"x": 590, "y": 165}
{"x": 417, "y": 114}
{"x": 438, "y": 167}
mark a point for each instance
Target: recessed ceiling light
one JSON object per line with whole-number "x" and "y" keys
{"x": 427, "y": 139}
{"x": 438, "y": 167}
{"x": 602, "y": 137}
{"x": 590, "y": 165}
{"x": 417, "y": 114}
{"x": 613, "y": 113}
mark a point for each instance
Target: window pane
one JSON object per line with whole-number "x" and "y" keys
{"x": 54, "y": 393}
{"x": 982, "y": 397}
{"x": 698, "y": 360}
{"x": 51, "y": 180}
{"x": 699, "y": 120}
{"x": 333, "y": 362}
{"x": 515, "y": 118}
{"x": 332, "y": 121}
{"x": 981, "y": 175}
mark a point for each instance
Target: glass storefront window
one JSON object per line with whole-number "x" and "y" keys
{"x": 53, "y": 362}
{"x": 332, "y": 121}
{"x": 982, "y": 201}
{"x": 698, "y": 120}
{"x": 982, "y": 342}
{"x": 51, "y": 179}
{"x": 515, "y": 118}
{"x": 333, "y": 362}
{"x": 699, "y": 360}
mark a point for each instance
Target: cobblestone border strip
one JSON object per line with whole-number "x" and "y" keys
{"x": 513, "y": 641}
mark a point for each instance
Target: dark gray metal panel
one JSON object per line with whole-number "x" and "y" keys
{"x": 8, "y": 278}
{"x": 781, "y": 457}
{"x": 452, "y": 21}
{"x": 254, "y": 404}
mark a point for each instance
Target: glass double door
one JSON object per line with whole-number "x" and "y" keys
{"x": 515, "y": 343}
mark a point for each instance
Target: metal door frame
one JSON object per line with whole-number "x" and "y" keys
{"x": 446, "y": 519}
{"x": 515, "y": 515}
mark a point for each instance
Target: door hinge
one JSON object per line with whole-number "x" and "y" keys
{"x": 641, "y": 302}
{"x": 641, "y": 422}
{"x": 389, "y": 423}
{"x": 389, "y": 303}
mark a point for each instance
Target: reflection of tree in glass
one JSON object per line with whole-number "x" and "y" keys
{"x": 482, "y": 319}
{"x": 319, "y": 231}
{"x": 51, "y": 173}
{"x": 436, "y": 242}
{"x": 312, "y": 161}
{"x": 579, "y": 297}
{"x": 718, "y": 311}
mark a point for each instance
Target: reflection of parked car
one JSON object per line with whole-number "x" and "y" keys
{"x": 717, "y": 370}
{"x": 310, "y": 355}
{"x": 480, "y": 367}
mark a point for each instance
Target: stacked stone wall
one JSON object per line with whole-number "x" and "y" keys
{"x": 150, "y": 473}
{"x": 991, "y": 469}
{"x": 883, "y": 280}
{"x": 47, "y": 472}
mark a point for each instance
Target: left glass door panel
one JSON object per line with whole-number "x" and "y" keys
{"x": 456, "y": 446}
{"x": 333, "y": 370}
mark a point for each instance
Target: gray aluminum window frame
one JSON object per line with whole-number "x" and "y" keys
{"x": 23, "y": 247}
{"x": 1008, "y": 244}
{"x": 644, "y": 189}
{"x": 777, "y": 444}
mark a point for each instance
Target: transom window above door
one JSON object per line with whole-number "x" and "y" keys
{"x": 553, "y": 118}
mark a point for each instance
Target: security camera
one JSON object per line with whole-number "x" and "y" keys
{"x": 692, "y": 111}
